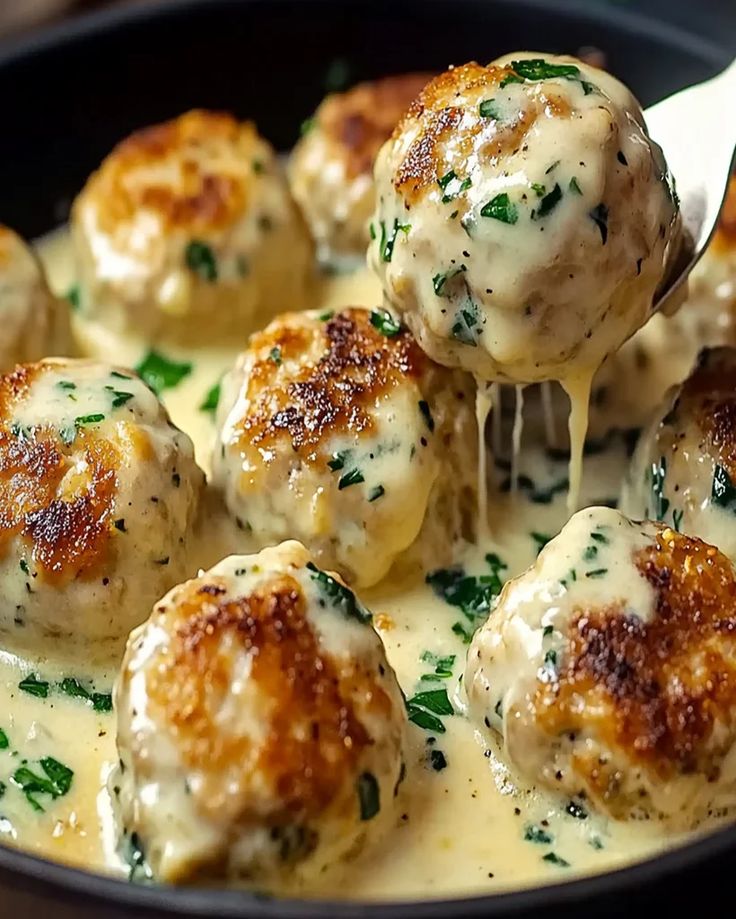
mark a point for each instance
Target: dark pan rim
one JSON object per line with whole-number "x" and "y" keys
{"x": 53, "y": 878}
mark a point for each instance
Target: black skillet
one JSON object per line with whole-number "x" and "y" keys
{"x": 69, "y": 94}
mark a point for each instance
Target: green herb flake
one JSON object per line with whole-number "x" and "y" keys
{"x": 102, "y": 701}
{"x": 596, "y": 573}
{"x": 538, "y": 69}
{"x": 307, "y": 125}
{"x": 473, "y": 596}
{"x": 511, "y": 78}
{"x": 658, "y": 476}
{"x": 56, "y": 783}
{"x": 339, "y": 595}
{"x": 452, "y": 186}
{"x": 4, "y": 742}
{"x": 427, "y": 414}
{"x": 599, "y": 216}
{"x": 550, "y": 201}
{"x": 275, "y": 355}
{"x": 326, "y": 316}
{"x": 94, "y": 418}
{"x": 599, "y": 537}
{"x": 547, "y": 631}
{"x": 72, "y": 687}
{"x": 576, "y": 810}
{"x": 575, "y": 187}
{"x": 723, "y": 492}
{"x": 74, "y": 296}
{"x": 200, "y": 259}
{"x": 159, "y": 373}
{"x": 338, "y": 460}
{"x": 539, "y": 190}
{"x": 590, "y": 553}
{"x": 501, "y": 208}
{"x": 369, "y": 796}
{"x": 489, "y": 109}
{"x": 388, "y": 239}
{"x": 66, "y": 384}
{"x": 537, "y": 834}
{"x": 465, "y": 325}
{"x": 555, "y": 859}
{"x": 352, "y": 477}
{"x": 437, "y": 760}
{"x": 211, "y": 399}
{"x": 440, "y": 280}
{"x": 34, "y": 686}
{"x": 386, "y": 324}
{"x": 377, "y": 492}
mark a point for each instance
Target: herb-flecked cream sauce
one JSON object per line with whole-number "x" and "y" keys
{"x": 464, "y": 824}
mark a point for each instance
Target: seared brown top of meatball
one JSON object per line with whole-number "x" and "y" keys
{"x": 660, "y": 688}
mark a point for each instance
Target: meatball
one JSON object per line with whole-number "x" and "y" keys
{"x": 337, "y": 430}
{"x": 98, "y": 493}
{"x": 684, "y": 467}
{"x": 260, "y": 727}
{"x": 188, "y": 232}
{"x": 34, "y": 322}
{"x": 331, "y": 169}
{"x": 608, "y": 668}
{"x": 523, "y": 219}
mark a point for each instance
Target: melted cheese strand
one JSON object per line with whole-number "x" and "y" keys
{"x": 578, "y": 391}
{"x": 550, "y": 430}
{"x": 485, "y": 400}
{"x": 516, "y": 437}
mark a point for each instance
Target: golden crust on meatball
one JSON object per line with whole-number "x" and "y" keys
{"x": 260, "y": 727}
{"x": 664, "y": 690}
{"x": 338, "y": 430}
{"x": 181, "y": 233}
{"x": 331, "y": 168}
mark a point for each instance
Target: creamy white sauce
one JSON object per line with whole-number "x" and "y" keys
{"x": 460, "y": 830}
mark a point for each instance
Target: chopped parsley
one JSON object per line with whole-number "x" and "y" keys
{"x": 537, "y": 834}
{"x": 723, "y": 492}
{"x": 100, "y": 701}
{"x": 56, "y": 781}
{"x": 34, "y": 686}
{"x": 555, "y": 859}
{"x": 307, "y": 125}
{"x": 442, "y": 666}
{"x": 352, "y": 477}
{"x": 437, "y": 760}
{"x": 473, "y": 596}
{"x": 501, "y": 208}
{"x": 597, "y": 536}
{"x": 66, "y": 384}
{"x": 119, "y": 398}
{"x": 440, "y": 279}
{"x": 94, "y": 418}
{"x": 139, "y": 868}
{"x": 4, "y": 742}
{"x": 677, "y": 519}
{"x": 452, "y": 186}
{"x": 596, "y": 573}
{"x": 574, "y": 187}
{"x": 159, "y": 373}
{"x": 427, "y": 413}
{"x": 538, "y": 69}
{"x": 338, "y": 460}
{"x": 424, "y": 707}
{"x": 465, "y": 325}
{"x": 200, "y": 259}
{"x": 211, "y": 400}
{"x": 590, "y": 553}
{"x": 275, "y": 355}
{"x": 576, "y": 810}
{"x": 388, "y": 240}
{"x": 658, "y": 475}
{"x": 386, "y": 324}
{"x": 599, "y": 216}
{"x": 489, "y": 109}
{"x": 539, "y": 190}
{"x": 326, "y": 316}
{"x": 369, "y": 796}
{"x": 377, "y": 492}
{"x": 550, "y": 201}
{"x": 74, "y": 296}
{"x": 339, "y": 595}
{"x": 511, "y": 78}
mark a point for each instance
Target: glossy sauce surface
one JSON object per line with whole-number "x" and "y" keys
{"x": 464, "y": 826}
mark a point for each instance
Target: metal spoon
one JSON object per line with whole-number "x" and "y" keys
{"x": 697, "y": 131}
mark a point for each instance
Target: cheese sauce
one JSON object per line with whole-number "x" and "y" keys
{"x": 464, "y": 825}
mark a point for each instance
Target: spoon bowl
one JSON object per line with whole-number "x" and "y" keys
{"x": 695, "y": 129}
